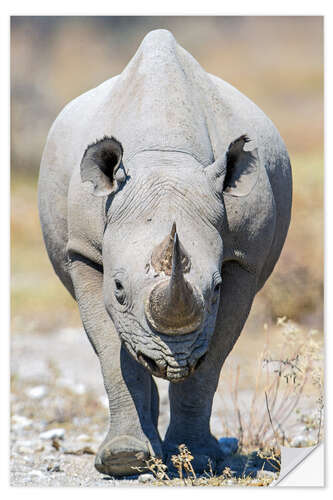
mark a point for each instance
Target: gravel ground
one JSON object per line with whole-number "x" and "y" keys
{"x": 59, "y": 412}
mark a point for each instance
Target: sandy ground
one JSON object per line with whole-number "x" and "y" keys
{"x": 59, "y": 412}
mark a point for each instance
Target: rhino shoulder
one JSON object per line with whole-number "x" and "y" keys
{"x": 246, "y": 116}
{"x": 270, "y": 201}
{"x": 64, "y": 202}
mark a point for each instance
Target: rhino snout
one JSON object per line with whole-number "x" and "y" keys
{"x": 174, "y": 306}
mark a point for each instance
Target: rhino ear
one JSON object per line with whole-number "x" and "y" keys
{"x": 99, "y": 166}
{"x": 237, "y": 172}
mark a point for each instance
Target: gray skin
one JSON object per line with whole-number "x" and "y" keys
{"x": 165, "y": 199}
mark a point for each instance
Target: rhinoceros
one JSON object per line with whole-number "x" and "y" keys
{"x": 164, "y": 200}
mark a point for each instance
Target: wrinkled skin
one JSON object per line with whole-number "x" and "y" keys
{"x": 164, "y": 200}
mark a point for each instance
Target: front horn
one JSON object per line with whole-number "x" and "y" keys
{"x": 174, "y": 307}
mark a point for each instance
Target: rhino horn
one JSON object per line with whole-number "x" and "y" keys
{"x": 177, "y": 284}
{"x": 174, "y": 307}
{"x": 161, "y": 258}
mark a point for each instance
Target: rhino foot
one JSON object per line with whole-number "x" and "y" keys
{"x": 206, "y": 458}
{"x": 121, "y": 456}
{"x": 201, "y": 464}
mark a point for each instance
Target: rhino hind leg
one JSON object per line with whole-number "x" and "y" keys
{"x": 133, "y": 401}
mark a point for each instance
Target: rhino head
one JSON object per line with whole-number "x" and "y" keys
{"x": 162, "y": 247}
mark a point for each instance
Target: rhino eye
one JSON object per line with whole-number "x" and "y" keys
{"x": 119, "y": 291}
{"x": 217, "y": 280}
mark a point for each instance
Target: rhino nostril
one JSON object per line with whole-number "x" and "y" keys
{"x": 148, "y": 362}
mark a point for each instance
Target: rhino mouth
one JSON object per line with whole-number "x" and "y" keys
{"x": 165, "y": 370}
{"x": 173, "y": 359}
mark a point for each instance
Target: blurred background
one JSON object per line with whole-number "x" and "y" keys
{"x": 276, "y": 61}
{"x": 55, "y": 381}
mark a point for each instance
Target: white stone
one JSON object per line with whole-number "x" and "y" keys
{"x": 84, "y": 438}
{"x": 20, "y": 422}
{"x": 53, "y": 434}
{"x": 145, "y": 478}
{"x": 299, "y": 440}
{"x": 36, "y": 473}
{"x": 37, "y": 392}
{"x": 262, "y": 474}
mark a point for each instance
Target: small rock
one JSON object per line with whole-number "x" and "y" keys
{"x": 20, "y": 422}
{"x": 57, "y": 433}
{"x": 28, "y": 446}
{"x": 299, "y": 441}
{"x": 36, "y": 473}
{"x": 37, "y": 392}
{"x": 54, "y": 468}
{"x": 228, "y": 445}
{"x": 145, "y": 478}
{"x": 84, "y": 437}
{"x": 266, "y": 474}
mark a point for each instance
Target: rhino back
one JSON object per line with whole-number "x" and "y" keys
{"x": 163, "y": 100}
{"x": 271, "y": 199}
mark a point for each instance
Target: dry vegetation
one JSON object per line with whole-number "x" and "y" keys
{"x": 284, "y": 407}
{"x": 278, "y": 63}
{"x": 186, "y": 475}
{"x": 285, "y": 403}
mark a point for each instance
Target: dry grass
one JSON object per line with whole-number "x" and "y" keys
{"x": 188, "y": 477}
{"x": 285, "y": 403}
{"x": 38, "y": 299}
{"x": 295, "y": 289}
{"x": 275, "y": 416}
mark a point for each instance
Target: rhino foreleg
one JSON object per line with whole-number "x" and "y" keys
{"x": 132, "y": 394}
{"x": 191, "y": 400}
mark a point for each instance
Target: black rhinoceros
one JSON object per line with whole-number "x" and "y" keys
{"x": 165, "y": 199}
